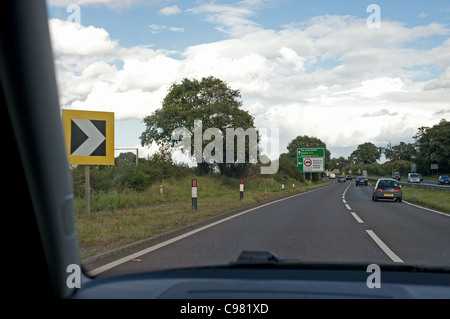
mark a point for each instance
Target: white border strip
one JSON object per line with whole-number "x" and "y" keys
{"x": 385, "y": 248}
{"x": 429, "y": 209}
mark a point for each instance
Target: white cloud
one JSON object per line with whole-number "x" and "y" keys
{"x": 76, "y": 40}
{"x": 176, "y": 29}
{"x": 443, "y": 82}
{"x": 172, "y": 10}
{"x": 329, "y": 77}
{"x": 156, "y": 28}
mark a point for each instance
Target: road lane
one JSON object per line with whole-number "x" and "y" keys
{"x": 416, "y": 235}
{"x": 312, "y": 227}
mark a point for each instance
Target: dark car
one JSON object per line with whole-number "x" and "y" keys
{"x": 349, "y": 177}
{"x": 361, "y": 180}
{"x": 396, "y": 175}
{"x": 387, "y": 188}
{"x": 444, "y": 180}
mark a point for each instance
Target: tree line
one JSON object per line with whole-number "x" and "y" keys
{"x": 215, "y": 105}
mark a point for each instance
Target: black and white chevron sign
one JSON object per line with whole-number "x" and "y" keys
{"x": 88, "y": 137}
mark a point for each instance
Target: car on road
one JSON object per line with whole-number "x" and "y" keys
{"x": 332, "y": 175}
{"x": 396, "y": 175}
{"x": 341, "y": 179}
{"x": 444, "y": 180}
{"x": 349, "y": 177}
{"x": 361, "y": 180}
{"x": 414, "y": 178}
{"x": 387, "y": 188}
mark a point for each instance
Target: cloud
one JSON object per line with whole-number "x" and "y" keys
{"x": 383, "y": 112}
{"x": 329, "y": 76}
{"x": 155, "y": 29}
{"x": 229, "y": 19}
{"x": 115, "y": 4}
{"x": 172, "y": 10}
{"x": 76, "y": 40}
{"x": 176, "y": 29}
{"x": 443, "y": 82}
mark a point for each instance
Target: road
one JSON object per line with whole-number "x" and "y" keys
{"x": 338, "y": 223}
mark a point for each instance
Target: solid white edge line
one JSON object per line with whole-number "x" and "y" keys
{"x": 359, "y": 220}
{"x": 122, "y": 260}
{"x": 385, "y": 248}
{"x": 425, "y": 208}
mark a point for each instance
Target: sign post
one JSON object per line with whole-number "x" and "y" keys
{"x": 89, "y": 141}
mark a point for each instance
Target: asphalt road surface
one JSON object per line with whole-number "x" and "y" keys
{"x": 338, "y": 223}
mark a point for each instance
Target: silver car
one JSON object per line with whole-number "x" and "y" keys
{"x": 387, "y": 188}
{"x": 414, "y": 178}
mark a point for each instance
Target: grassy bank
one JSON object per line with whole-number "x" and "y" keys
{"x": 117, "y": 219}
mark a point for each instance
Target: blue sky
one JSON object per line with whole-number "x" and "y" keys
{"x": 306, "y": 67}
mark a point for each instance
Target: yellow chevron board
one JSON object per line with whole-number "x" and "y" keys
{"x": 89, "y": 137}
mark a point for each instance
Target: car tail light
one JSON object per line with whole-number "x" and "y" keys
{"x": 379, "y": 189}
{"x": 397, "y": 190}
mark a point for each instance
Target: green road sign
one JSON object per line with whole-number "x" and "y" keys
{"x": 311, "y": 160}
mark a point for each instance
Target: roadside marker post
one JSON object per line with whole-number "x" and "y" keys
{"x": 265, "y": 192}
{"x": 161, "y": 190}
{"x": 282, "y": 185}
{"x": 194, "y": 194}
{"x": 293, "y": 185}
{"x": 241, "y": 189}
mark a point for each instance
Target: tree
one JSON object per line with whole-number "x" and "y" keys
{"x": 401, "y": 152}
{"x": 433, "y": 146}
{"x": 366, "y": 153}
{"x": 199, "y": 107}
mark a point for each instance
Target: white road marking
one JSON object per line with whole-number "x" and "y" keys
{"x": 359, "y": 220}
{"x": 348, "y": 207}
{"x": 425, "y": 208}
{"x": 384, "y": 247}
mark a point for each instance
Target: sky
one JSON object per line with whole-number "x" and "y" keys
{"x": 346, "y": 72}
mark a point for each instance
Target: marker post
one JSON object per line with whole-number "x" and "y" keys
{"x": 241, "y": 189}
{"x": 194, "y": 194}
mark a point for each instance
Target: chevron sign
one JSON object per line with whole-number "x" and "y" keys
{"x": 89, "y": 137}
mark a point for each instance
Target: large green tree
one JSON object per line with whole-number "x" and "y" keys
{"x": 433, "y": 145}
{"x": 401, "y": 152}
{"x": 366, "y": 153}
{"x": 205, "y": 108}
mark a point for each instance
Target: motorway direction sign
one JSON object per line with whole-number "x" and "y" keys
{"x": 311, "y": 160}
{"x": 89, "y": 137}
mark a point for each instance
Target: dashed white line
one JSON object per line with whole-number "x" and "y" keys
{"x": 348, "y": 207}
{"x": 359, "y": 220}
{"x": 385, "y": 248}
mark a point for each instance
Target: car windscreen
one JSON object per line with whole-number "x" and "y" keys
{"x": 196, "y": 130}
